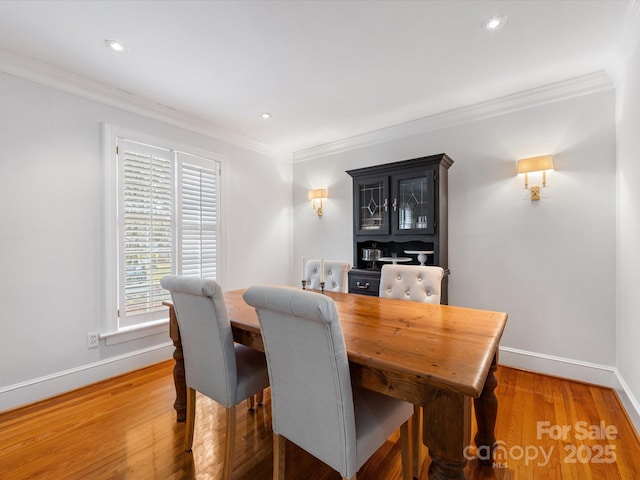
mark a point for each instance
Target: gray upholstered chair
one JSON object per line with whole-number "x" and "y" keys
{"x": 226, "y": 372}
{"x": 417, "y": 283}
{"x": 335, "y": 275}
{"x": 313, "y": 402}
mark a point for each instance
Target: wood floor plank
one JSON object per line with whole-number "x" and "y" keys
{"x": 125, "y": 428}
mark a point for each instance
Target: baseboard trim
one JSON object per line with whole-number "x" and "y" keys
{"x": 629, "y": 402}
{"x": 559, "y": 366}
{"x": 23, "y": 393}
{"x": 36, "y": 389}
{"x": 597, "y": 374}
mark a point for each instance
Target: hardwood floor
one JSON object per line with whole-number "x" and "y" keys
{"x": 125, "y": 428}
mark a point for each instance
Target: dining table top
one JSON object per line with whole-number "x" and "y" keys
{"x": 446, "y": 347}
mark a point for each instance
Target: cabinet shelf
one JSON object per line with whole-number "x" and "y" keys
{"x": 399, "y": 206}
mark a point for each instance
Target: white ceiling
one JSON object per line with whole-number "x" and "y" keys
{"x": 326, "y": 70}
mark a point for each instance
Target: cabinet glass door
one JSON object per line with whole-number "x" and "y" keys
{"x": 372, "y": 205}
{"x": 414, "y": 205}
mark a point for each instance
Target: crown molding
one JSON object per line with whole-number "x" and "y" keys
{"x": 556, "y": 92}
{"x": 48, "y": 75}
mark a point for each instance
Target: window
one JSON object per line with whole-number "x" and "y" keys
{"x": 167, "y": 222}
{"x": 199, "y": 218}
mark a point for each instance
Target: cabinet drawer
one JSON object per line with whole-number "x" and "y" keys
{"x": 364, "y": 284}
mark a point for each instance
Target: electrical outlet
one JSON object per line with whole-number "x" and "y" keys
{"x": 93, "y": 340}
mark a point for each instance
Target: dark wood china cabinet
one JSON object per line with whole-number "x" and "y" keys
{"x": 399, "y": 215}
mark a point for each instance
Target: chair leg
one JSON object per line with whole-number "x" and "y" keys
{"x": 191, "y": 419}
{"x": 416, "y": 439}
{"x": 405, "y": 447}
{"x": 256, "y": 399}
{"x": 279, "y": 445}
{"x": 229, "y": 443}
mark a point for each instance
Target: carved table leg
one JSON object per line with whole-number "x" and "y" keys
{"x": 416, "y": 440}
{"x": 178, "y": 370}
{"x": 486, "y": 408}
{"x": 447, "y": 433}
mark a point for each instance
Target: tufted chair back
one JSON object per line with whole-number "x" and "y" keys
{"x": 411, "y": 282}
{"x": 418, "y": 283}
{"x": 335, "y": 275}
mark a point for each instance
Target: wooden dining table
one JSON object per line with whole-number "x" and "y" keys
{"x": 440, "y": 357}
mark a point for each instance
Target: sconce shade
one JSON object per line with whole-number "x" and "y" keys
{"x": 535, "y": 164}
{"x": 317, "y": 193}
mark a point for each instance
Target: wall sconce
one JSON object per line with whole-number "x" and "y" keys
{"x": 317, "y": 194}
{"x": 535, "y": 164}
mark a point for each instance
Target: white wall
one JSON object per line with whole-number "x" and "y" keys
{"x": 51, "y": 222}
{"x": 549, "y": 264}
{"x": 628, "y": 258}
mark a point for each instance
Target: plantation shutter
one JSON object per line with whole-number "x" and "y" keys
{"x": 198, "y": 216}
{"x": 146, "y": 226}
{"x": 168, "y": 222}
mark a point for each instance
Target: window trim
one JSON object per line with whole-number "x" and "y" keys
{"x": 109, "y": 324}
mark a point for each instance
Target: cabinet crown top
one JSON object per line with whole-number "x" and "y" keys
{"x": 440, "y": 158}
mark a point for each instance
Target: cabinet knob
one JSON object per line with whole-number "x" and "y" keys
{"x": 385, "y": 205}
{"x": 362, "y": 287}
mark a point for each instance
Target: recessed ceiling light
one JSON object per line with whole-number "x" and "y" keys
{"x": 116, "y": 46}
{"x": 266, "y": 115}
{"x": 495, "y": 22}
